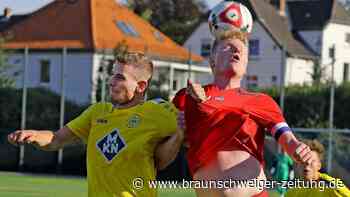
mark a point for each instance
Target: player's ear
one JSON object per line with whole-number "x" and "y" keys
{"x": 141, "y": 86}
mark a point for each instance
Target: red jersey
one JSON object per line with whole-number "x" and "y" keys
{"x": 228, "y": 120}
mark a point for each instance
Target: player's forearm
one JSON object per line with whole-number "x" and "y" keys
{"x": 47, "y": 141}
{"x": 167, "y": 151}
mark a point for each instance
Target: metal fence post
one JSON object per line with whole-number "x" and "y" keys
{"x": 24, "y": 107}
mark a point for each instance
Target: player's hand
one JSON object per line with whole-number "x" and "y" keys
{"x": 196, "y": 91}
{"x": 302, "y": 153}
{"x": 22, "y": 137}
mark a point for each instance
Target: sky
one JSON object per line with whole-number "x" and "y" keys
{"x": 26, "y": 6}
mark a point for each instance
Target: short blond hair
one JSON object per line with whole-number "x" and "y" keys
{"x": 316, "y": 146}
{"x": 140, "y": 61}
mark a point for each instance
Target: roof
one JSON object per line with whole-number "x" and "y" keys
{"x": 92, "y": 25}
{"x": 7, "y": 22}
{"x": 278, "y": 28}
{"x": 314, "y": 15}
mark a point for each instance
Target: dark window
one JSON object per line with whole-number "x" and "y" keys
{"x": 347, "y": 38}
{"x": 132, "y": 30}
{"x": 174, "y": 85}
{"x": 127, "y": 29}
{"x": 346, "y": 72}
{"x": 274, "y": 79}
{"x": 252, "y": 81}
{"x": 254, "y": 47}
{"x": 205, "y": 47}
{"x": 45, "y": 71}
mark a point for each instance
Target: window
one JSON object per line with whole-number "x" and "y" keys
{"x": 205, "y": 47}
{"x": 158, "y": 36}
{"x": 127, "y": 28}
{"x": 254, "y": 47}
{"x": 44, "y": 71}
{"x": 346, "y": 72}
{"x": 347, "y": 38}
{"x": 132, "y": 30}
{"x": 252, "y": 81}
{"x": 175, "y": 85}
{"x": 274, "y": 79}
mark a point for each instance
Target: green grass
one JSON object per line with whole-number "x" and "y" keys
{"x": 26, "y": 185}
{"x": 30, "y": 185}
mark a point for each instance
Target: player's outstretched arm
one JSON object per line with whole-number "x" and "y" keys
{"x": 44, "y": 140}
{"x": 167, "y": 151}
{"x": 299, "y": 151}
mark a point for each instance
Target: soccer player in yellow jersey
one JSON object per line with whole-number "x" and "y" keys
{"x": 323, "y": 185}
{"x": 127, "y": 139}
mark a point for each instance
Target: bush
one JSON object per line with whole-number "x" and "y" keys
{"x": 43, "y": 112}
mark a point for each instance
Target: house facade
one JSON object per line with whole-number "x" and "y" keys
{"x": 324, "y": 25}
{"x": 79, "y": 37}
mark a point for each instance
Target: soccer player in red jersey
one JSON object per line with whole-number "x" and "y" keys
{"x": 225, "y": 124}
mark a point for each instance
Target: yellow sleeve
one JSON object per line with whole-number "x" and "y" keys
{"x": 340, "y": 191}
{"x": 166, "y": 119}
{"x": 81, "y": 125}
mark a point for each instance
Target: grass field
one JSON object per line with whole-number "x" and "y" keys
{"x": 27, "y": 185}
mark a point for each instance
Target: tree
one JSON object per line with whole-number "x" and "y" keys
{"x": 5, "y": 79}
{"x": 175, "y": 18}
{"x": 318, "y": 74}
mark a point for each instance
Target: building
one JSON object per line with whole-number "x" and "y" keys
{"x": 89, "y": 30}
{"x": 321, "y": 26}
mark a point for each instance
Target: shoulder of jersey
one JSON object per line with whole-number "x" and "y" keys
{"x": 163, "y": 105}
{"x": 102, "y": 107}
{"x": 249, "y": 93}
{"x": 158, "y": 101}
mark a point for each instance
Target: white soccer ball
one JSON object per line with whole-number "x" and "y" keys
{"x": 230, "y": 16}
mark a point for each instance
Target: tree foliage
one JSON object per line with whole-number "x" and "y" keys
{"x": 176, "y": 18}
{"x": 5, "y": 79}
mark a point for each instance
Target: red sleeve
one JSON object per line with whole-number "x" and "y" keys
{"x": 267, "y": 113}
{"x": 179, "y": 99}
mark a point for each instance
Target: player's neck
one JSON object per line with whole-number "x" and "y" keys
{"x": 225, "y": 83}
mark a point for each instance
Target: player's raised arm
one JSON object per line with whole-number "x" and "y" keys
{"x": 44, "y": 140}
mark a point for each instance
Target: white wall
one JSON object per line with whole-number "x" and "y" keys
{"x": 335, "y": 34}
{"x": 194, "y": 41}
{"x": 97, "y": 63}
{"x": 298, "y": 71}
{"x": 269, "y": 61}
{"x": 77, "y": 73}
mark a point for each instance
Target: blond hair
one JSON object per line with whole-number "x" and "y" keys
{"x": 316, "y": 146}
{"x": 138, "y": 60}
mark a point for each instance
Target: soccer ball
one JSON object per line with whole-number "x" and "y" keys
{"x": 230, "y": 16}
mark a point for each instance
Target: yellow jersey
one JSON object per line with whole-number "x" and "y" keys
{"x": 121, "y": 145}
{"x": 340, "y": 191}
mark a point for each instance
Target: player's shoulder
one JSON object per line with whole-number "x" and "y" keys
{"x": 255, "y": 95}
{"x": 100, "y": 107}
{"x": 160, "y": 105}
